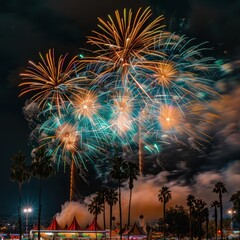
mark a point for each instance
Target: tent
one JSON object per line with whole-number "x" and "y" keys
{"x": 135, "y": 230}
{"x": 54, "y": 225}
{"x": 94, "y": 226}
{"x": 74, "y": 225}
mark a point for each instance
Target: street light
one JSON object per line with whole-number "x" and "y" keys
{"x": 27, "y": 211}
{"x": 231, "y": 212}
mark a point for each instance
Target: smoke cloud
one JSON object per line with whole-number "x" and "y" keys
{"x": 145, "y": 196}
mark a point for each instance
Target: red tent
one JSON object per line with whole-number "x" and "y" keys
{"x": 94, "y": 226}
{"x": 54, "y": 225}
{"x": 74, "y": 225}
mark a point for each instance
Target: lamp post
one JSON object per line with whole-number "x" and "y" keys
{"x": 27, "y": 211}
{"x": 231, "y": 212}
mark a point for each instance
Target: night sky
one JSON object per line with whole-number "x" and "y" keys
{"x": 30, "y": 26}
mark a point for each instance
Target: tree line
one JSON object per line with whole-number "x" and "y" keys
{"x": 188, "y": 222}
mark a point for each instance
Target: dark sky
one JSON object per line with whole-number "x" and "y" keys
{"x": 30, "y": 26}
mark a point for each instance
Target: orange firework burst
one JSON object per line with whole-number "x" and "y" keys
{"x": 190, "y": 121}
{"x": 122, "y": 109}
{"x": 51, "y": 80}
{"x": 170, "y": 117}
{"x": 68, "y": 137}
{"x": 164, "y": 72}
{"x": 124, "y": 39}
{"x": 86, "y": 105}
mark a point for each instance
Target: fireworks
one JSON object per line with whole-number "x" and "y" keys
{"x": 67, "y": 135}
{"x": 68, "y": 140}
{"x": 122, "y": 111}
{"x": 121, "y": 40}
{"x": 86, "y": 105}
{"x": 170, "y": 117}
{"x": 142, "y": 87}
{"x": 177, "y": 70}
{"x": 51, "y": 80}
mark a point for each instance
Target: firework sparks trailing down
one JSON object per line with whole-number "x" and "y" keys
{"x": 143, "y": 88}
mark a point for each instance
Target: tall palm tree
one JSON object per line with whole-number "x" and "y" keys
{"x": 42, "y": 167}
{"x": 164, "y": 196}
{"x": 95, "y": 207}
{"x": 220, "y": 188}
{"x": 132, "y": 174}
{"x": 215, "y": 204}
{"x": 119, "y": 173}
{"x": 111, "y": 198}
{"x": 190, "y": 203}
{"x": 101, "y": 195}
{"x": 20, "y": 173}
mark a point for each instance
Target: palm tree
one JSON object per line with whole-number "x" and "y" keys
{"x": 101, "y": 195}
{"x": 20, "y": 173}
{"x": 119, "y": 173}
{"x": 132, "y": 174}
{"x": 206, "y": 215}
{"x": 215, "y": 204}
{"x": 164, "y": 196}
{"x": 235, "y": 199}
{"x": 220, "y": 188}
{"x": 111, "y": 198}
{"x": 190, "y": 203}
{"x": 95, "y": 207}
{"x": 41, "y": 168}
{"x": 199, "y": 212}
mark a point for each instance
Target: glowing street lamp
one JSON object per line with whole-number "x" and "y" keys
{"x": 231, "y": 212}
{"x": 27, "y": 211}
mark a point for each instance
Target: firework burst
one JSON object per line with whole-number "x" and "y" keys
{"x": 177, "y": 70}
{"x": 171, "y": 123}
{"x": 52, "y": 80}
{"x": 122, "y": 39}
{"x": 123, "y": 124}
{"x": 142, "y": 88}
{"x": 68, "y": 139}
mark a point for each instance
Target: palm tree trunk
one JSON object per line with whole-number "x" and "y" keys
{"x": 190, "y": 223}
{"x": 199, "y": 228}
{"x": 207, "y": 221}
{"x": 120, "y": 208}
{"x": 104, "y": 216}
{"x": 39, "y": 207}
{"x": 95, "y": 225}
{"x": 215, "y": 220}
{"x": 129, "y": 208}
{"x": 19, "y": 210}
{"x": 164, "y": 230}
{"x": 221, "y": 215}
{"x": 110, "y": 221}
